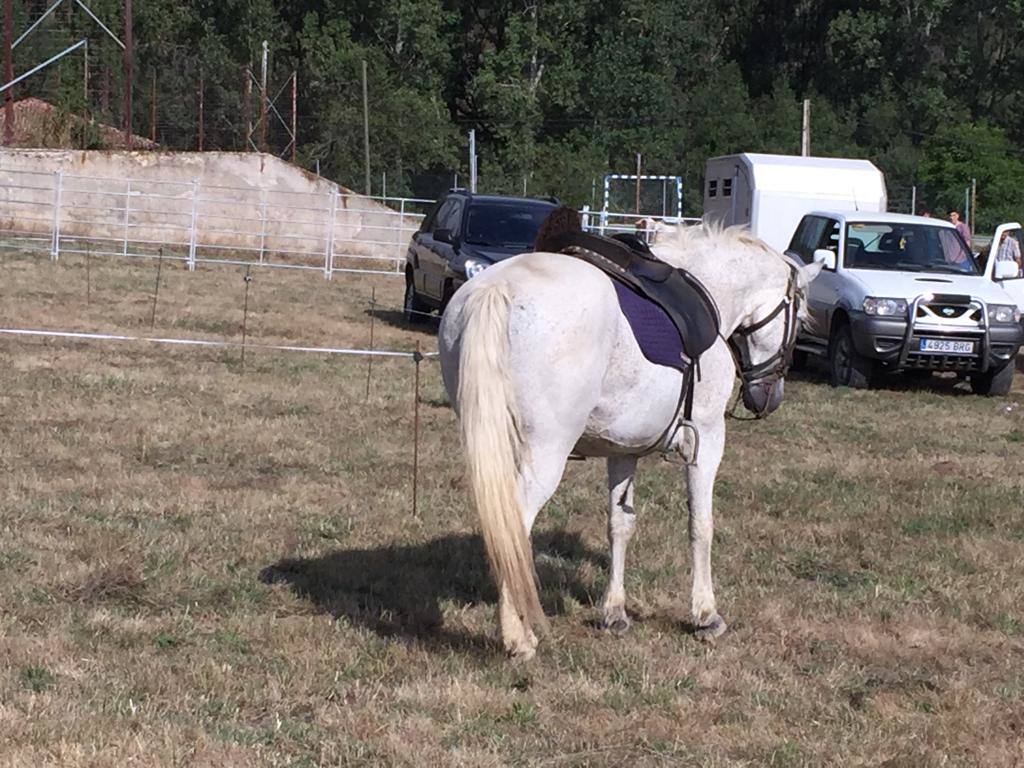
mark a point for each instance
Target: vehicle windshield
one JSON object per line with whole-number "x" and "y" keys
{"x": 501, "y": 224}
{"x": 907, "y": 248}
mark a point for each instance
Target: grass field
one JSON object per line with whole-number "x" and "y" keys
{"x": 204, "y": 565}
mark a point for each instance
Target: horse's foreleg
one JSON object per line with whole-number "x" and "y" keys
{"x": 621, "y": 523}
{"x": 700, "y": 486}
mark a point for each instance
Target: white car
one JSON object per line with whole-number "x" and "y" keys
{"x": 904, "y": 293}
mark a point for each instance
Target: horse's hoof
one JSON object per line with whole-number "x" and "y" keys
{"x": 710, "y": 632}
{"x": 522, "y": 654}
{"x": 619, "y": 625}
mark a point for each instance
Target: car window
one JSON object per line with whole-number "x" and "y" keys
{"x": 427, "y": 225}
{"x": 450, "y": 216}
{"x": 907, "y": 247}
{"x": 504, "y": 223}
{"x": 829, "y": 238}
{"x": 807, "y": 236}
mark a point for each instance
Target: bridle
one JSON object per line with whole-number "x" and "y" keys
{"x": 771, "y": 371}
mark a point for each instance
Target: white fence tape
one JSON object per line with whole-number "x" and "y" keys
{"x": 208, "y": 343}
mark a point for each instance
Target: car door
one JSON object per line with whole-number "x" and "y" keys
{"x": 818, "y": 232}
{"x": 1015, "y": 285}
{"x": 433, "y": 255}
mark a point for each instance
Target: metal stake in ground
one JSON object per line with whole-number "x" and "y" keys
{"x": 416, "y": 358}
{"x": 245, "y": 310}
{"x": 369, "y": 364}
{"x": 156, "y": 290}
{"x": 88, "y": 273}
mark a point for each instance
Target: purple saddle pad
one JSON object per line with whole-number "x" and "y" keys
{"x": 657, "y": 336}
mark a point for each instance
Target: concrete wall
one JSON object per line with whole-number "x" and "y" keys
{"x": 237, "y": 201}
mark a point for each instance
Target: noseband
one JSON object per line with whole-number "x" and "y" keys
{"x": 771, "y": 371}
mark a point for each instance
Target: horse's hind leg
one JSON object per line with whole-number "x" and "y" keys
{"x": 538, "y": 480}
{"x": 621, "y": 523}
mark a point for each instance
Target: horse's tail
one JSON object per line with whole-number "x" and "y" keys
{"x": 493, "y": 445}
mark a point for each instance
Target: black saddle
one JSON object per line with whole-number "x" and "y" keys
{"x": 628, "y": 259}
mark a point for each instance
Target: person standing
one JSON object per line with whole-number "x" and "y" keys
{"x": 1009, "y": 250}
{"x": 961, "y": 227}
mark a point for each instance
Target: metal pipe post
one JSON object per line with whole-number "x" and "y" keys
{"x": 58, "y": 183}
{"x": 193, "y": 234}
{"x": 366, "y": 128}
{"x": 8, "y": 72}
{"x": 263, "y": 100}
{"x": 199, "y": 137}
{"x": 128, "y": 52}
{"x": 295, "y": 135}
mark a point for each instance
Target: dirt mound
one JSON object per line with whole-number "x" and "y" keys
{"x": 38, "y": 123}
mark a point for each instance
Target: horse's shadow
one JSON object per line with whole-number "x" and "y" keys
{"x": 396, "y": 319}
{"x": 400, "y": 591}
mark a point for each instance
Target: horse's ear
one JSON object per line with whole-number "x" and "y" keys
{"x": 810, "y": 271}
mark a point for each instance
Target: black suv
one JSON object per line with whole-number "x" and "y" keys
{"x": 461, "y": 236}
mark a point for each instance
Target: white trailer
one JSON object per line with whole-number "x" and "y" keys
{"x": 772, "y": 193}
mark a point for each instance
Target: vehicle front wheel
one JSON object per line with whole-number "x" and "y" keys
{"x": 846, "y": 366}
{"x": 995, "y": 381}
{"x": 415, "y": 311}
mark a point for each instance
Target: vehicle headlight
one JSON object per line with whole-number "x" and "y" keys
{"x": 885, "y": 307}
{"x": 1003, "y": 313}
{"x": 475, "y": 266}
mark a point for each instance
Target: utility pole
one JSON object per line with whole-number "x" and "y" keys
{"x": 8, "y": 72}
{"x": 199, "y": 138}
{"x": 128, "y": 51}
{"x": 295, "y": 130}
{"x": 805, "y": 132}
{"x": 263, "y": 100}
{"x": 366, "y": 128}
{"x": 974, "y": 205}
{"x": 247, "y": 107}
{"x": 638, "y": 158}
{"x": 472, "y": 160}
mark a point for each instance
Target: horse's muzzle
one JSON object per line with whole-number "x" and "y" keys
{"x": 763, "y": 396}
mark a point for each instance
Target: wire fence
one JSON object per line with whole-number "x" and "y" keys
{"x": 196, "y": 223}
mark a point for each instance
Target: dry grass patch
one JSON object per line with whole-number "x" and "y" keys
{"x": 205, "y": 565}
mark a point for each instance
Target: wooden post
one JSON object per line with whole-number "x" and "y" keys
{"x": 417, "y": 357}
{"x": 128, "y": 51}
{"x": 8, "y": 72}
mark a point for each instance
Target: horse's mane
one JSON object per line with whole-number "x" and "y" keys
{"x": 689, "y": 245}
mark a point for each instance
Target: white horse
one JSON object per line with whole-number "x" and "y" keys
{"x": 540, "y": 362}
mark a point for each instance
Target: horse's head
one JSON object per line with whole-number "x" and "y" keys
{"x": 764, "y": 341}
{"x": 761, "y": 295}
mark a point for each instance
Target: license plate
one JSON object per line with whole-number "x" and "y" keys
{"x": 947, "y": 347}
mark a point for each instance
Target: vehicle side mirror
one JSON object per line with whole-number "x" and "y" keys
{"x": 825, "y": 257}
{"x": 444, "y": 236}
{"x": 1006, "y": 270}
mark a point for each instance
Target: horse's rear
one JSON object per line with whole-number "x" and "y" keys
{"x": 525, "y": 349}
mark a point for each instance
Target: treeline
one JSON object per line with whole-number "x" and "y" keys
{"x": 562, "y": 91}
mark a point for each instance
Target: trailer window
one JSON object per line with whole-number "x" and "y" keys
{"x": 726, "y": 187}
{"x": 712, "y": 187}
